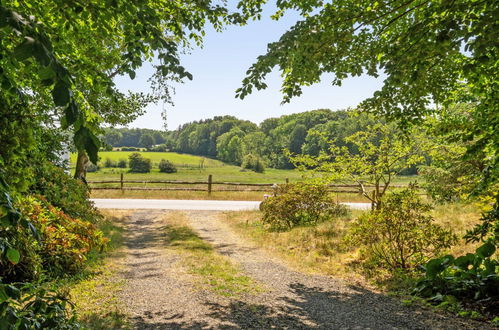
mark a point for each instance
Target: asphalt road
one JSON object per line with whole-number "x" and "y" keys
{"x": 191, "y": 205}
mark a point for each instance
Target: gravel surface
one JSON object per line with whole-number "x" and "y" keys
{"x": 159, "y": 294}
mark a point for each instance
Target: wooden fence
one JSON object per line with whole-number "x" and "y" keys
{"x": 209, "y": 184}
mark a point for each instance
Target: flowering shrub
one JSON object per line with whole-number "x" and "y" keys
{"x": 61, "y": 190}
{"x": 65, "y": 241}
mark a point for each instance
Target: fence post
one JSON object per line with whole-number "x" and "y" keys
{"x": 121, "y": 181}
{"x": 209, "y": 183}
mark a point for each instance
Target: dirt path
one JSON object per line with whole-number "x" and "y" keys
{"x": 159, "y": 295}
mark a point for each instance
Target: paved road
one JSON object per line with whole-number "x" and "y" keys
{"x": 192, "y": 205}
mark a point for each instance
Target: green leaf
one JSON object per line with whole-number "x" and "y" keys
{"x": 463, "y": 262}
{"x": 434, "y": 267}
{"x": 70, "y": 114}
{"x": 25, "y": 50}
{"x": 86, "y": 140}
{"x": 486, "y": 250}
{"x": 61, "y": 94}
{"x": 3, "y": 294}
{"x": 13, "y": 292}
{"x": 13, "y": 255}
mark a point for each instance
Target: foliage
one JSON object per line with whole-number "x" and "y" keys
{"x": 91, "y": 167}
{"x": 400, "y": 235}
{"x": 66, "y": 241}
{"x": 431, "y": 53}
{"x": 62, "y": 191}
{"x": 32, "y": 307}
{"x": 129, "y": 149}
{"x": 122, "y": 163}
{"x": 474, "y": 276}
{"x": 372, "y": 156}
{"x": 254, "y": 163}
{"x": 165, "y": 166}
{"x": 139, "y": 164}
{"x": 230, "y": 146}
{"x": 299, "y": 204}
{"x": 146, "y": 141}
{"x": 15, "y": 232}
{"x": 110, "y": 163}
{"x": 159, "y": 148}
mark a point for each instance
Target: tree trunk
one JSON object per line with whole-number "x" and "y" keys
{"x": 81, "y": 166}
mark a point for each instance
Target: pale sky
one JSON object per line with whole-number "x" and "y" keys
{"x": 218, "y": 69}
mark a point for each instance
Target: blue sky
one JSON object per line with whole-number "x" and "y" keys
{"x": 218, "y": 69}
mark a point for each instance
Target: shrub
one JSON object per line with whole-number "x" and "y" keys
{"x": 33, "y": 307}
{"x": 122, "y": 163}
{"x": 63, "y": 191}
{"x": 110, "y": 163}
{"x": 139, "y": 164}
{"x": 65, "y": 242}
{"x": 254, "y": 163}
{"x": 91, "y": 167}
{"x": 401, "y": 235}
{"x": 474, "y": 276}
{"x": 165, "y": 166}
{"x": 300, "y": 204}
{"x": 130, "y": 149}
{"x": 159, "y": 148}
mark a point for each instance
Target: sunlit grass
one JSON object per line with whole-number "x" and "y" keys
{"x": 213, "y": 270}
{"x": 95, "y": 291}
{"x": 320, "y": 248}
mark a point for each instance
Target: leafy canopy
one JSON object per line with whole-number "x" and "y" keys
{"x": 433, "y": 54}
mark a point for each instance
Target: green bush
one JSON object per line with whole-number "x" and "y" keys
{"x": 165, "y": 166}
{"x": 159, "y": 148}
{"x": 122, "y": 163}
{"x": 91, "y": 167}
{"x": 32, "y": 307}
{"x": 58, "y": 188}
{"x": 474, "y": 276}
{"x": 139, "y": 164}
{"x": 254, "y": 163}
{"x": 401, "y": 235}
{"x": 130, "y": 149}
{"x": 110, "y": 163}
{"x": 65, "y": 241}
{"x": 300, "y": 204}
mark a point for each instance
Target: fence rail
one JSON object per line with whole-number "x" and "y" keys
{"x": 209, "y": 184}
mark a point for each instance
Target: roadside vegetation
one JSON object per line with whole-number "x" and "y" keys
{"x": 435, "y": 116}
{"x": 212, "y": 270}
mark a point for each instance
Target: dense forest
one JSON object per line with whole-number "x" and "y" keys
{"x": 230, "y": 139}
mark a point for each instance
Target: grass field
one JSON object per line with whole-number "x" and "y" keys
{"x": 189, "y": 169}
{"x": 196, "y": 168}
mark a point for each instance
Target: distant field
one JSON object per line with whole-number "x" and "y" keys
{"x": 188, "y": 169}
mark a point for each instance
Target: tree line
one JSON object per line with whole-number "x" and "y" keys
{"x": 230, "y": 139}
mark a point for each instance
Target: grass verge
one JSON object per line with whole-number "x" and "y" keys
{"x": 310, "y": 249}
{"x": 320, "y": 248}
{"x": 213, "y": 271}
{"x": 95, "y": 291}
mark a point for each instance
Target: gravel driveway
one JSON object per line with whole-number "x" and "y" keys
{"x": 160, "y": 295}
